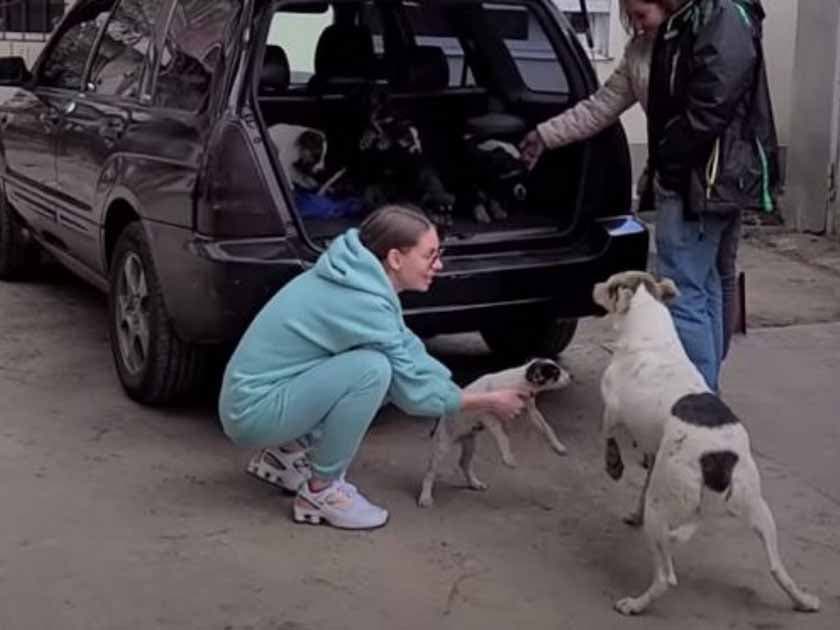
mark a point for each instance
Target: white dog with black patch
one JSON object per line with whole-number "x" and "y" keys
{"x": 654, "y": 396}
{"x": 535, "y": 376}
{"x": 302, "y": 152}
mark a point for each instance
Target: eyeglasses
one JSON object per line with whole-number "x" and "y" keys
{"x": 431, "y": 258}
{"x": 434, "y": 256}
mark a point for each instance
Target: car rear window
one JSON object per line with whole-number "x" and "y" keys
{"x": 448, "y": 26}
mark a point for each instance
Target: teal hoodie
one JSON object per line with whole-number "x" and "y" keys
{"x": 345, "y": 302}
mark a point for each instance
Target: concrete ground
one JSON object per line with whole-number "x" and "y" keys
{"x": 120, "y": 517}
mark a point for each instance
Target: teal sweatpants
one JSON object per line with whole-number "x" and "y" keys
{"x": 331, "y": 407}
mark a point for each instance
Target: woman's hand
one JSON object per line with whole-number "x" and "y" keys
{"x": 531, "y": 148}
{"x": 508, "y": 403}
{"x": 504, "y": 403}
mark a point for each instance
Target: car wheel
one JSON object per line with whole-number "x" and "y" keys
{"x": 154, "y": 365}
{"x": 520, "y": 340}
{"x": 17, "y": 254}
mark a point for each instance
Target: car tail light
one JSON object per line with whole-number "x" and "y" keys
{"x": 234, "y": 200}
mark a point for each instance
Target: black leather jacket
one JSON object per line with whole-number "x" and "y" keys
{"x": 711, "y": 132}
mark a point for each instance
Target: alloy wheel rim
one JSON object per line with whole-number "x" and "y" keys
{"x": 132, "y": 314}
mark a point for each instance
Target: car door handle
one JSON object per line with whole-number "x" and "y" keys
{"x": 112, "y": 128}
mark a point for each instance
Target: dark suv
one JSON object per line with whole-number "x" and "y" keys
{"x": 140, "y": 152}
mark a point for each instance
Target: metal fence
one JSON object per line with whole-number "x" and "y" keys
{"x": 29, "y": 20}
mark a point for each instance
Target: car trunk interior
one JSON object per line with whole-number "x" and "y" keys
{"x": 423, "y": 103}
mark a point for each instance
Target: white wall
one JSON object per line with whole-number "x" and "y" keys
{"x": 814, "y": 99}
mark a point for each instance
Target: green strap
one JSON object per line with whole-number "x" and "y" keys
{"x": 743, "y": 13}
{"x": 766, "y": 197}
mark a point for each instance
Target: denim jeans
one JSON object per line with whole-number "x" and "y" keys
{"x": 688, "y": 252}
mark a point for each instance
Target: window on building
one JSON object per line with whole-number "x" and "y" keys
{"x": 29, "y": 16}
{"x": 65, "y": 64}
{"x": 599, "y": 24}
{"x": 120, "y": 59}
{"x": 191, "y": 52}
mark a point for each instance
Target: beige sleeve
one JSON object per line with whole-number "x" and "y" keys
{"x": 594, "y": 114}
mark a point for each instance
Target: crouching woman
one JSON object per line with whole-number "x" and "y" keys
{"x": 320, "y": 358}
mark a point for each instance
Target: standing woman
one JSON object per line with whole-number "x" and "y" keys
{"x": 627, "y": 86}
{"x": 320, "y": 358}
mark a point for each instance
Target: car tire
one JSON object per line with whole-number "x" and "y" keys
{"x": 521, "y": 340}
{"x": 18, "y": 255}
{"x": 155, "y": 367}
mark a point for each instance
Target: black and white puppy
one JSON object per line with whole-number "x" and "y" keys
{"x": 461, "y": 429}
{"x": 393, "y": 164}
{"x": 497, "y": 175}
{"x": 700, "y": 451}
{"x": 302, "y": 152}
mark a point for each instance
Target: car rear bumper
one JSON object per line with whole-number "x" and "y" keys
{"x": 553, "y": 283}
{"x": 216, "y": 287}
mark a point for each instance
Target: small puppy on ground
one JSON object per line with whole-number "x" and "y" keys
{"x": 655, "y": 396}
{"x": 536, "y": 376}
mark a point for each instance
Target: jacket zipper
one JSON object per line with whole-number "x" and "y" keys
{"x": 712, "y": 168}
{"x": 672, "y": 79}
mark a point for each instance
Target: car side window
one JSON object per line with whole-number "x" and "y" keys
{"x": 64, "y": 66}
{"x": 298, "y": 34}
{"x": 119, "y": 61}
{"x": 529, "y": 46}
{"x": 191, "y": 51}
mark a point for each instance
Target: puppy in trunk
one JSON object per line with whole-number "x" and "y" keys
{"x": 394, "y": 167}
{"x": 462, "y": 429}
{"x": 699, "y": 450}
{"x": 496, "y": 175}
{"x": 302, "y": 152}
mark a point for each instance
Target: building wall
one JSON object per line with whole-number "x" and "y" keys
{"x": 813, "y": 146}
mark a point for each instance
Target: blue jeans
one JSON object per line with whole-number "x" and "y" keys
{"x": 687, "y": 252}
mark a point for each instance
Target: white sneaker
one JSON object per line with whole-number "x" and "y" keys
{"x": 288, "y": 471}
{"x": 340, "y": 504}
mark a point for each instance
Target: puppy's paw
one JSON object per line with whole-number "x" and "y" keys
{"x": 477, "y": 484}
{"x": 559, "y": 448}
{"x": 496, "y": 211}
{"x": 510, "y": 461}
{"x": 480, "y": 213}
{"x": 634, "y": 519}
{"x": 425, "y": 501}
{"x": 807, "y": 603}
{"x": 630, "y": 606}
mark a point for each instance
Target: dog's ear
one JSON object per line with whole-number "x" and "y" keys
{"x": 531, "y": 370}
{"x": 623, "y": 299}
{"x": 667, "y": 290}
{"x": 602, "y": 296}
{"x": 614, "y": 296}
